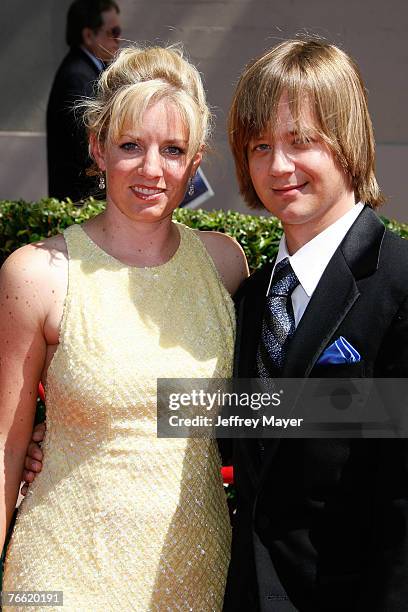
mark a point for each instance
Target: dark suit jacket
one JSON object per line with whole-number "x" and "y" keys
{"x": 331, "y": 514}
{"x": 67, "y": 146}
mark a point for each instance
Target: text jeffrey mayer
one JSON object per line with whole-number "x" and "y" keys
{"x": 265, "y": 421}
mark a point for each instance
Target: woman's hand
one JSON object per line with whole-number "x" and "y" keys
{"x": 34, "y": 457}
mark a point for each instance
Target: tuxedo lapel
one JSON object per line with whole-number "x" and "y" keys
{"x": 337, "y": 291}
{"x": 334, "y": 296}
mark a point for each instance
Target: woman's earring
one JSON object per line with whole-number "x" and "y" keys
{"x": 101, "y": 183}
{"x": 191, "y": 186}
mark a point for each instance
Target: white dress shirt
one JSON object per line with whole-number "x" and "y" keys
{"x": 310, "y": 261}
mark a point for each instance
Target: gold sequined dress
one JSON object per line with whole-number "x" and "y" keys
{"x": 119, "y": 519}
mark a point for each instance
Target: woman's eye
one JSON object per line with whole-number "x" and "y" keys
{"x": 129, "y": 146}
{"x": 173, "y": 150}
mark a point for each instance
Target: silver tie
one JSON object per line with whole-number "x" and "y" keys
{"x": 278, "y": 324}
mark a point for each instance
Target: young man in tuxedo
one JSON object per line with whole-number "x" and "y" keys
{"x": 321, "y": 524}
{"x": 92, "y": 32}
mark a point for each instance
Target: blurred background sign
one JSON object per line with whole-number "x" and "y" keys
{"x": 202, "y": 192}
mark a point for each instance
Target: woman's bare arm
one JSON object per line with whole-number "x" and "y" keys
{"x": 229, "y": 258}
{"x": 22, "y": 356}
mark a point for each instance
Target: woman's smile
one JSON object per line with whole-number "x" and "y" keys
{"x": 147, "y": 193}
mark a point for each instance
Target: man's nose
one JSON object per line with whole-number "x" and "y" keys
{"x": 281, "y": 161}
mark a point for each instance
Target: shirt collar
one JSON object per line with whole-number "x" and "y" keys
{"x": 310, "y": 261}
{"x": 98, "y": 63}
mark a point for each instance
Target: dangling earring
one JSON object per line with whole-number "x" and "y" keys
{"x": 101, "y": 183}
{"x": 191, "y": 186}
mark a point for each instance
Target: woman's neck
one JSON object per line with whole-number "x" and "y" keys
{"x": 135, "y": 243}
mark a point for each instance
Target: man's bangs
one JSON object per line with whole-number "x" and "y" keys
{"x": 259, "y": 116}
{"x": 307, "y": 125}
{"x": 319, "y": 123}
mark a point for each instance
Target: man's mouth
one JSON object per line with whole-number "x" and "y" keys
{"x": 289, "y": 188}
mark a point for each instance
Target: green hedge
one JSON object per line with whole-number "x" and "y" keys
{"x": 22, "y": 222}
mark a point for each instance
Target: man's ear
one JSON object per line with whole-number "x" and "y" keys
{"x": 97, "y": 152}
{"x": 88, "y": 36}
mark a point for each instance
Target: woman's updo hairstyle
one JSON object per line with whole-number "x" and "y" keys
{"x": 140, "y": 77}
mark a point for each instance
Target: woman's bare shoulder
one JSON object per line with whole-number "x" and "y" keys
{"x": 38, "y": 255}
{"x": 41, "y": 265}
{"x": 228, "y": 256}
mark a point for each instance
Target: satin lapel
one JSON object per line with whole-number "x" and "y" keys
{"x": 357, "y": 257}
{"x": 334, "y": 296}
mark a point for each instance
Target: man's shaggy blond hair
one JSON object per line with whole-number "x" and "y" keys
{"x": 328, "y": 80}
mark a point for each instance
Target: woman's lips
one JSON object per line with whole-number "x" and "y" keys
{"x": 146, "y": 193}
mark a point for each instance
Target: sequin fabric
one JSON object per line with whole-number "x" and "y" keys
{"x": 278, "y": 324}
{"x": 119, "y": 519}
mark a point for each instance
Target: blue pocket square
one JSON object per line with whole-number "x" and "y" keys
{"x": 340, "y": 351}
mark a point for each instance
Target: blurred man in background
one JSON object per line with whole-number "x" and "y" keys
{"x": 92, "y": 33}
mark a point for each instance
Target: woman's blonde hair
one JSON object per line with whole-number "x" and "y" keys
{"x": 140, "y": 77}
{"x": 329, "y": 81}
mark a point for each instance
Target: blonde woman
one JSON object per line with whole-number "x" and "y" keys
{"x": 119, "y": 519}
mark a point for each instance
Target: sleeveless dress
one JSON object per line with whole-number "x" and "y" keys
{"x": 119, "y": 519}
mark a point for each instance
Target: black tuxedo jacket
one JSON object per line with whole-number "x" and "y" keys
{"x": 67, "y": 144}
{"x": 330, "y": 514}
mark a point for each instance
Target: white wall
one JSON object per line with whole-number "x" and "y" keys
{"x": 220, "y": 36}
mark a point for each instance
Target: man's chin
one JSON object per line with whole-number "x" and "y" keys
{"x": 290, "y": 212}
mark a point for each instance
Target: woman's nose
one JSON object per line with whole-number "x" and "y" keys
{"x": 151, "y": 164}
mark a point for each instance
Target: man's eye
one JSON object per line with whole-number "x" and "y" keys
{"x": 302, "y": 141}
{"x": 263, "y": 146}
